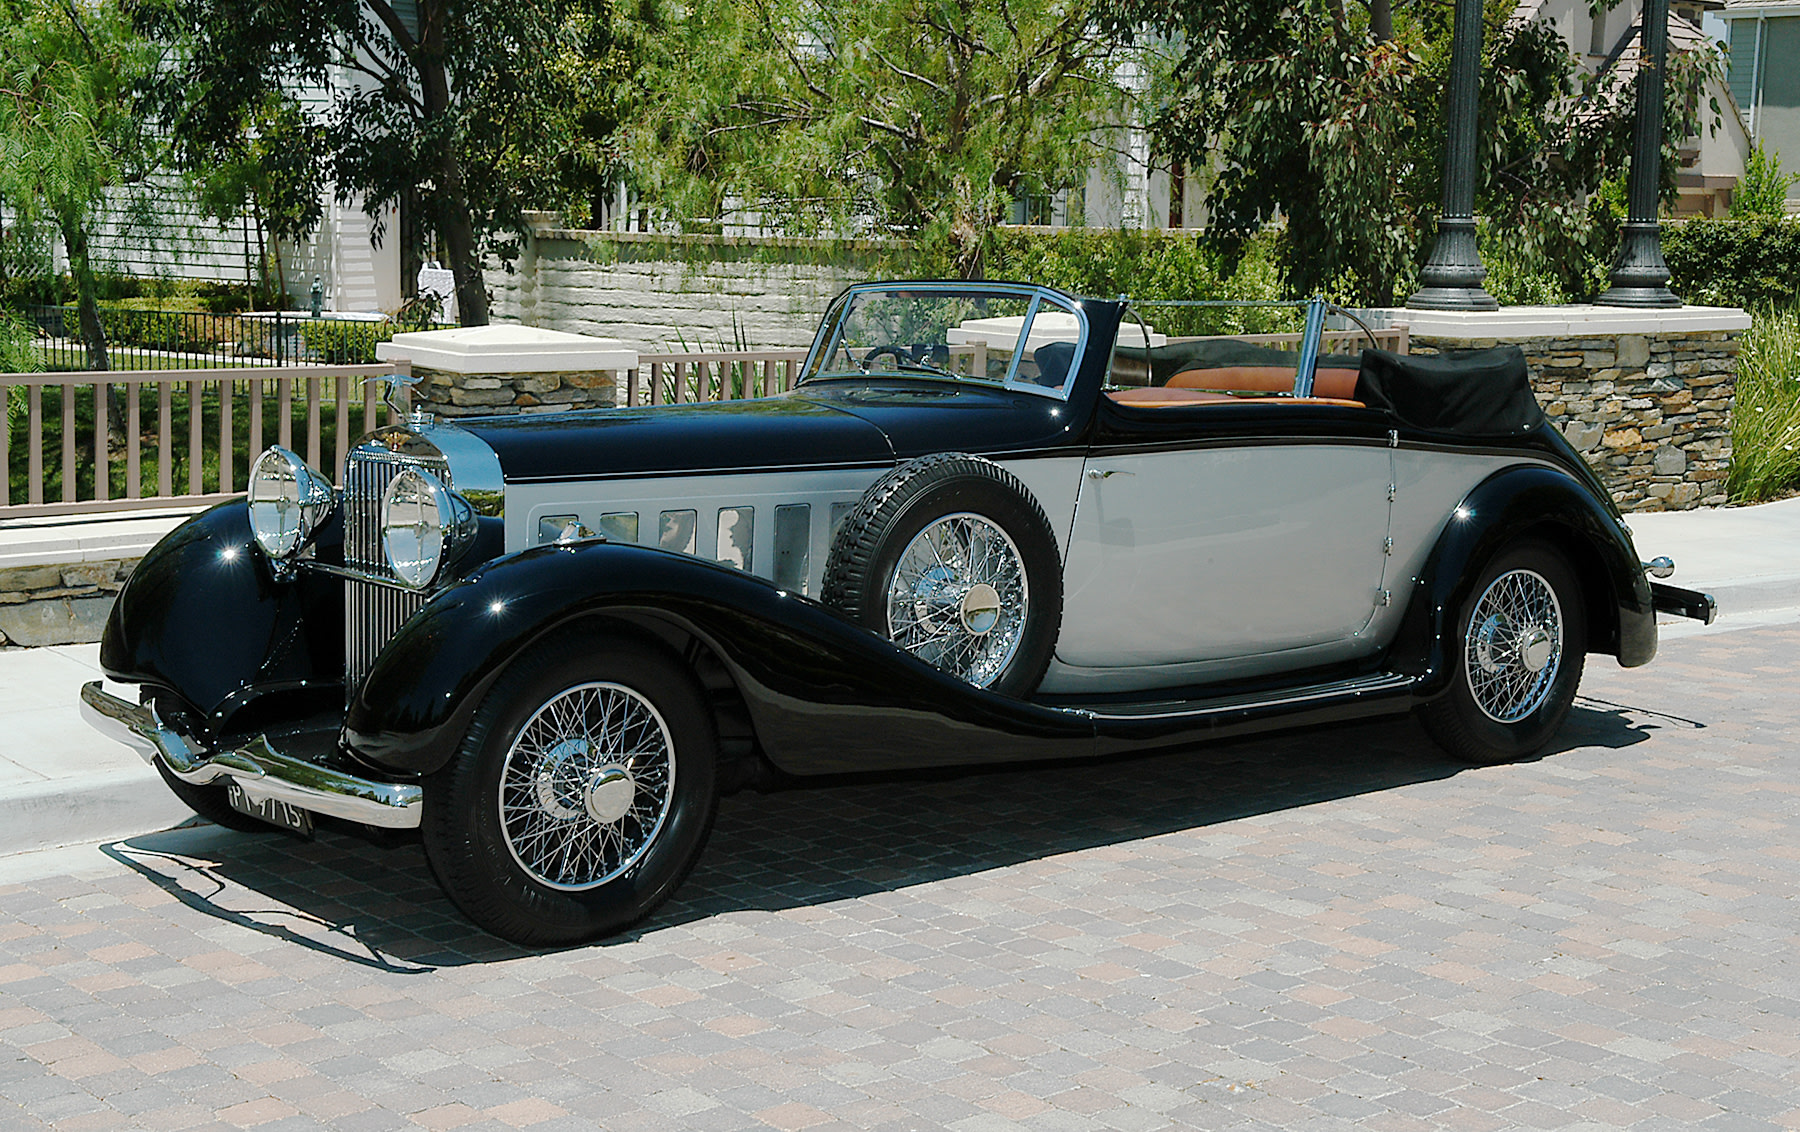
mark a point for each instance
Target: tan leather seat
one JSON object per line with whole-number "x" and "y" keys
{"x": 1338, "y": 384}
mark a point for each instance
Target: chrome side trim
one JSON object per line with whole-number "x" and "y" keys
{"x": 260, "y": 769}
{"x": 1380, "y": 683}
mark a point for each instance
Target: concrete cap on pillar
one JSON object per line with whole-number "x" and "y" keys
{"x": 506, "y": 348}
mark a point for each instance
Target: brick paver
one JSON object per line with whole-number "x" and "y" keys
{"x": 1338, "y": 929}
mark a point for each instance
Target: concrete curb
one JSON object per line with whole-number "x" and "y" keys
{"x": 91, "y": 807}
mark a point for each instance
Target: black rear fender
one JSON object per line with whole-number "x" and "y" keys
{"x": 821, "y": 695}
{"x": 1547, "y": 505}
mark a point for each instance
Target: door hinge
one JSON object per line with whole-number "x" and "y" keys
{"x": 1393, "y": 438}
{"x": 1384, "y": 598}
{"x": 1393, "y": 490}
{"x": 1387, "y": 546}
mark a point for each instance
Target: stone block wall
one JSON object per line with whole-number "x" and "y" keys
{"x": 59, "y": 604}
{"x": 449, "y": 394}
{"x": 664, "y": 294}
{"x": 1651, "y": 412}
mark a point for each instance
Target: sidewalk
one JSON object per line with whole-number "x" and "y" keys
{"x": 61, "y": 783}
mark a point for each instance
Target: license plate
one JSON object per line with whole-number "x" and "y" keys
{"x": 271, "y": 810}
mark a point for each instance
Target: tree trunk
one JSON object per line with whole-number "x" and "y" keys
{"x": 464, "y": 250}
{"x": 1381, "y": 19}
{"x": 456, "y": 224}
{"x": 87, "y": 299}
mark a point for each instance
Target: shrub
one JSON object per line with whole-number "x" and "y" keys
{"x": 1741, "y": 263}
{"x": 1763, "y": 189}
{"x": 1150, "y": 266}
{"x": 343, "y": 343}
{"x": 1765, "y": 418}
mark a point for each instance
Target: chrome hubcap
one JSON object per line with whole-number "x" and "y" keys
{"x": 958, "y": 597}
{"x": 586, "y": 786}
{"x": 1514, "y": 646}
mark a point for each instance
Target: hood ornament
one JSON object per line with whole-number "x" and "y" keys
{"x": 391, "y": 384}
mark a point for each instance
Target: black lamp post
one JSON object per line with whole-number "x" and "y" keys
{"x": 1640, "y": 278}
{"x": 1451, "y": 278}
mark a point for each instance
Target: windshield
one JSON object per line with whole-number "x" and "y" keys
{"x": 1020, "y": 337}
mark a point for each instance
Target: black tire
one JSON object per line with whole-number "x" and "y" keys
{"x": 957, "y": 493}
{"x": 209, "y": 802}
{"x": 499, "y": 870}
{"x": 1523, "y": 708}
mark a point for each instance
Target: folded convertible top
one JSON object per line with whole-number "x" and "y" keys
{"x": 1465, "y": 392}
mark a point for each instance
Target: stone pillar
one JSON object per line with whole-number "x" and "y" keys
{"x": 499, "y": 368}
{"x": 1645, "y": 396}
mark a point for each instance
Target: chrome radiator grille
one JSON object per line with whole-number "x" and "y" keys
{"x": 373, "y": 612}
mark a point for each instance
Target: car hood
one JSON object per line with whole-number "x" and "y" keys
{"x": 774, "y": 432}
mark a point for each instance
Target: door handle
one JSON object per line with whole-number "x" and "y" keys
{"x": 1098, "y": 474}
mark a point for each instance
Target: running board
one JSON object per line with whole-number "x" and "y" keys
{"x": 1182, "y": 720}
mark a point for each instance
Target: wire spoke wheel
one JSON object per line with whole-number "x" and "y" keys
{"x": 586, "y": 786}
{"x": 1512, "y": 651}
{"x": 958, "y": 597}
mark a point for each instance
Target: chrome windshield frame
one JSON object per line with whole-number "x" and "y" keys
{"x": 830, "y": 330}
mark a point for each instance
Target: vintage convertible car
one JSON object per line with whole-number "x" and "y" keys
{"x": 991, "y": 522}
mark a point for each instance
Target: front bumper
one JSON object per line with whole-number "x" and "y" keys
{"x": 260, "y": 769}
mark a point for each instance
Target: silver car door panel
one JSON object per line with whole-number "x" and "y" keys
{"x": 1206, "y": 554}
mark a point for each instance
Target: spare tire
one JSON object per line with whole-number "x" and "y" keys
{"x": 951, "y": 558}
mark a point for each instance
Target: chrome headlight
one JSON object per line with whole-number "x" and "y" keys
{"x": 423, "y": 525}
{"x": 288, "y": 501}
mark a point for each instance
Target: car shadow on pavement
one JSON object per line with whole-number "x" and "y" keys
{"x": 377, "y": 905}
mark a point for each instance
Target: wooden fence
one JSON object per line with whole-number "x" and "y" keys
{"x": 128, "y": 439}
{"x": 663, "y": 379}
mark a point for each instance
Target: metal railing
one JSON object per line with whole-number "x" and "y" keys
{"x": 124, "y": 439}
{"x": 169, "y": 340}
{"x": 673, "y": 379}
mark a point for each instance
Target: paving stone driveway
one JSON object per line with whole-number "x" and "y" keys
{"x": 1339, "y": 929}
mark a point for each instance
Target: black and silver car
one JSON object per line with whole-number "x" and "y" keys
{"x": 989, "y": 523}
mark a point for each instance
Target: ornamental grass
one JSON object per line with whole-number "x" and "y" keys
{"x": 1765, "y": 419}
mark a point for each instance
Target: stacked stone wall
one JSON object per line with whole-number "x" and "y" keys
{"x": 1652, "y": 413}
{"x": 677, "y": 294}
{"x": 60, "y": 604}
{"x": 447, "y": 394}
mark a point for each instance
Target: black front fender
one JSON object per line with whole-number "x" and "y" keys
{"x": 203, "y": 617}
{"x": 1527, "y": 502}
{"x": 823, "y": 695}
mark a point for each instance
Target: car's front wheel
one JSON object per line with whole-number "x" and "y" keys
{"x": 581, "y": 795}
{"x": 1520, "y": 652}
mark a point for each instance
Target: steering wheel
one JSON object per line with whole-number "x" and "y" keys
{"x": 901, "y": 355}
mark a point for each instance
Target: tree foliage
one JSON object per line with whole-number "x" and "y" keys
{"x": 452, "y": 107}
{"x": 924, "y": 118}
{"x": 68, "y": 130}
{"x": 1329, "y": 113}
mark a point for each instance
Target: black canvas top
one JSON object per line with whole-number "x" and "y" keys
{"x": 1467, "y": 392}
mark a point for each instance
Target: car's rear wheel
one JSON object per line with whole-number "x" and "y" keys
{"x": 581, "y": 795}
{"x": 951, "y": 558}
{"x": 1520, "y": 650}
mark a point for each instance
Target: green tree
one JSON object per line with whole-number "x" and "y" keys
{"x": 449, "y": 95}
{"x": 68, "y": 130}
{"x": 1329, "y": 113}
{"x": 1762, "y": 191}
{"x": 271, "y": 173}
{"x": 923, "y": 118}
